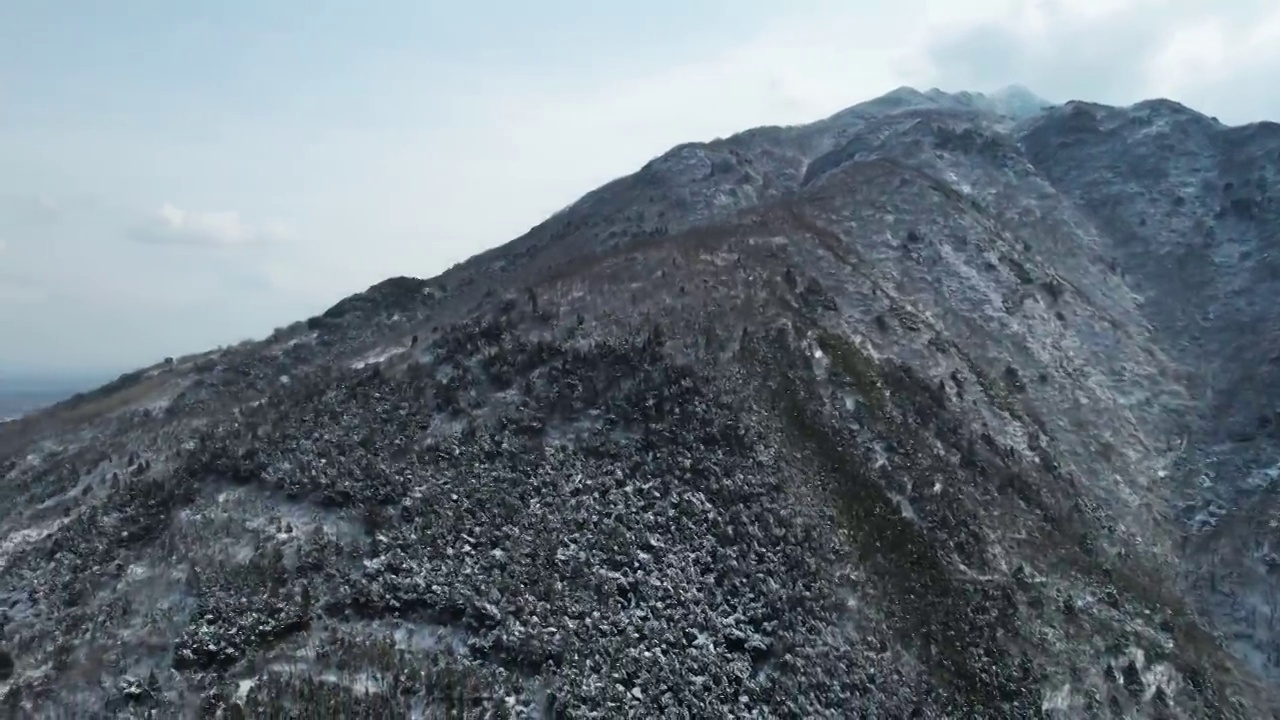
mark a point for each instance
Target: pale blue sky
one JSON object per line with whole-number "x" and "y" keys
{"x": 174, "y": 178}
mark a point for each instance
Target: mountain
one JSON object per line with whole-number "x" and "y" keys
{"x": 948, "y": 405}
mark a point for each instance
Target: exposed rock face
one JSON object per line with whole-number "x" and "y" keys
{"x": 945, "y": 406}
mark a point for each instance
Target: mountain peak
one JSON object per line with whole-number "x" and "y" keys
{"x": 1168, "y": 108}
{"x": 841, "y": 419}
{"x": 1012, "y": 102}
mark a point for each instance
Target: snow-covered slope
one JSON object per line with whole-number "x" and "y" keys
{"x": 948, "y": 405}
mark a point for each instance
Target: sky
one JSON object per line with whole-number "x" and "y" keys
{"x": 178, "y": 176}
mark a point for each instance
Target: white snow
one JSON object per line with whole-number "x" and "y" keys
{"x": 376, "y": 356}
{"x": 1059, "y": 700}
{"x": 19, "y": 538}
{"x": 242, "y": 689}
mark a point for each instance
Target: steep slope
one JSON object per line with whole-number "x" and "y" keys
{"x": 852, "y": 419}
{"x": 1193, "y": 215}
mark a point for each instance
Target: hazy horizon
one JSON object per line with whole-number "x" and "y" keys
{"x": 41, "y": 380}
{"x": 24, "y": 393}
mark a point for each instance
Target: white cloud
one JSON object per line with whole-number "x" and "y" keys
{"x": 382, "y": 181}
{"x": 1207, "y": 51}
{"x": 421, "y": 195}
{"x": 1214, "y": 57}
{"x": 172, "y": 225}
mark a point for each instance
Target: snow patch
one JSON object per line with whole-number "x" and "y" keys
{"x": 904, "y": 505}
{"x": 1263, "y": 478}
{"x": 375, "y": 357}
{"x": 161, "y": 403}
{"x": 18, "y": 539}
{"x": 307, "y": 338}
{"x": 242, "y": 689}
{"x": 1059, "y": 700}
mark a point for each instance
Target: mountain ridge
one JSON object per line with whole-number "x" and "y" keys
{"x": 947, "y": 384}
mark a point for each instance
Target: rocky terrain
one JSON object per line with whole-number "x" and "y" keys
{"x": 947, "y": 406}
